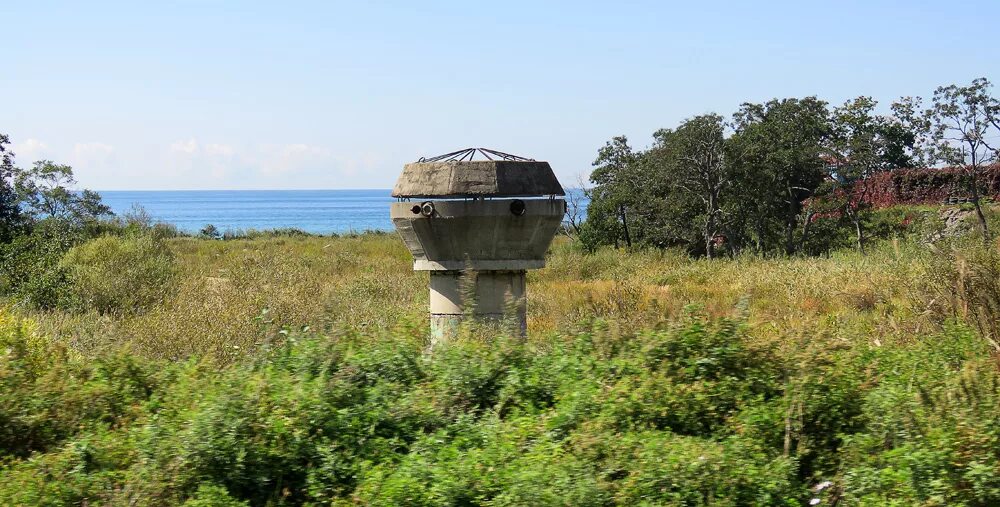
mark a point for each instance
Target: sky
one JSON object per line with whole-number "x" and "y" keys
{"x": 303, "y": 95}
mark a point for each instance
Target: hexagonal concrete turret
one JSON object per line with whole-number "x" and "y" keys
{"x": 484, "y": 221}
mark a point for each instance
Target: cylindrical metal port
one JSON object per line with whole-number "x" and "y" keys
{"x": 427, "y": 209}
{"x": 485, "y": 235}
{"x": 517, "y": 207}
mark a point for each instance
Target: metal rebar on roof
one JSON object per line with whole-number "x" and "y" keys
{"x": 469, "y": 153}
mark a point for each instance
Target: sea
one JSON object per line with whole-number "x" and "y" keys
{"x": 313, "y": 211}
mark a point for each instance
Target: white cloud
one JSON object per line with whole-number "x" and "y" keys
{"x": 95, "y": 164}
{"x": 291, "y": 158}
{"x": 90, "y": 150}
{"x": 210, "y": 164}
{"x": 355, "y": 166}
{"x": 92, "y": 156}
{"x": 190, "y": 146}
{"x": 30, "y": 150}
{"x": 219, "y": 150}
{"x": 196, "y": 164}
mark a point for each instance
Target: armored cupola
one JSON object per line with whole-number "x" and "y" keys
{"x": 457, "y": 175}
{"x": 488, "y": 220}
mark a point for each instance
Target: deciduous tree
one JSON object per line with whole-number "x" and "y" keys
{"x": 694, "y": 155}
{"x": 965, "y": 131}
{"x": 862, "y": 144}
{"x": 777, "y": 149}
{"x": 11, "y": 218}
{"x": 48, "y": 190}
{"x": 616, "y": 181}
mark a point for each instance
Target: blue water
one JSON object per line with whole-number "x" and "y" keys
{"x": 315, "y": 211}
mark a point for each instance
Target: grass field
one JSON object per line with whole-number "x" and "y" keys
{"x": 232, "y": 296}
{"x": 292, "y": 370}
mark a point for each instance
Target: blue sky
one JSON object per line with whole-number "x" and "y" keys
{"x": 220, "y": 95}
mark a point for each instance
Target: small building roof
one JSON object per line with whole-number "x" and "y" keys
{"x": 477, "y": 178}
{"x": 456, "y": 174}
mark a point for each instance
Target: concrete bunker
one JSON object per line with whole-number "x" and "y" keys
{"x": 477, "y": 226}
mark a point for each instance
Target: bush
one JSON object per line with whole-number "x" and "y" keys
{"x": 693, "y": 413}
{"x": 114, "y": 274}
{"x": 932, "y": 431}
{"x": 319, "y": 420}
{"x": 926, "y": 185}
{"x": 29, "y": 265}
{"x": 281, "y": 232}
{"x": 210, "y": 495}
{"x": 48, "y": 394}
{"x": 839, "y": 385}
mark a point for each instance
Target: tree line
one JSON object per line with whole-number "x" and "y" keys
{"x": 43, "y": 217}
{"x": 45, "y": 192}
{"x": 758, "y": 180}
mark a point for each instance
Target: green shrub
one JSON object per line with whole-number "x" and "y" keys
{"x": 29, "y": 265}
{"x": 210, "y": 495}
{"x": 932, "y": 426}
{"x": 126, "y": 274}
{"x": 839, "y": 384}
{"x": 281, "y": 232}
{"x": 47, "y": 394}
{"x": 664, "y": 469}
{"x": 498, "y": 422}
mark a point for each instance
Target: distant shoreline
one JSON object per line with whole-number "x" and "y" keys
{"x": 323, "y": 212}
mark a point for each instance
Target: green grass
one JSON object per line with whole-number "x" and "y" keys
{"x": 293, "y": 370}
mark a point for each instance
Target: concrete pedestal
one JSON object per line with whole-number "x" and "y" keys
{"x": 487, "y": 296}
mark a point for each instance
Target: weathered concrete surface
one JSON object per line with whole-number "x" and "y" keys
{"x": 497, "y": 178}
{"x": 484, "y": 295}
{"x": 477, "y": 234}
{"x": 477, "y": 292}
{"x": 477, "y": 249}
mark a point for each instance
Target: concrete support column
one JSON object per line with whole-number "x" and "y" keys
{"x": 487, "y": 296}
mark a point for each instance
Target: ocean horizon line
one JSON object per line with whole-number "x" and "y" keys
{"x": 320, "y": 211}
{"x": 98, "y": 190}
{"x": 388, "y": 189}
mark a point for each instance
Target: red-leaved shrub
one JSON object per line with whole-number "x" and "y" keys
{"x": 925, "y": 186}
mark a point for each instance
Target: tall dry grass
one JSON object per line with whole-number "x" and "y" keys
{"x": 876, "y": 296}
{"x": 232, "y": 297}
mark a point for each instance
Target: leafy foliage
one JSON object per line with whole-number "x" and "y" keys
{"x": 12, "y": 220}
{"x": 925, "y": 186}
{"x": 46, "y": 191}
{"x": 320, "y": 418}
{"x": 42, "y": 216}
{"x": 778, "y": 147}
{"x": 788, "y": 162}
{"x": 119, "y": 274}
{"x": 694, "y": 413}
{"x": 29, "y": 265}
{"x": 697, "y": 189}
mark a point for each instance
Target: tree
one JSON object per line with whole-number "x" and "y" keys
{"x": 11, "y": 219}
{"x": 47, "y": 191}
{"x": 210, "y": 231}
{"x": 576, "y": 208}
{"x": 616, "y": 183}
{"x": 695, "y": 157}
{"x": 863, "y": 144}
{"x": 777, "y": 150}
{"x": 965, "y": 131}
{"x": 910, "y": 114}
